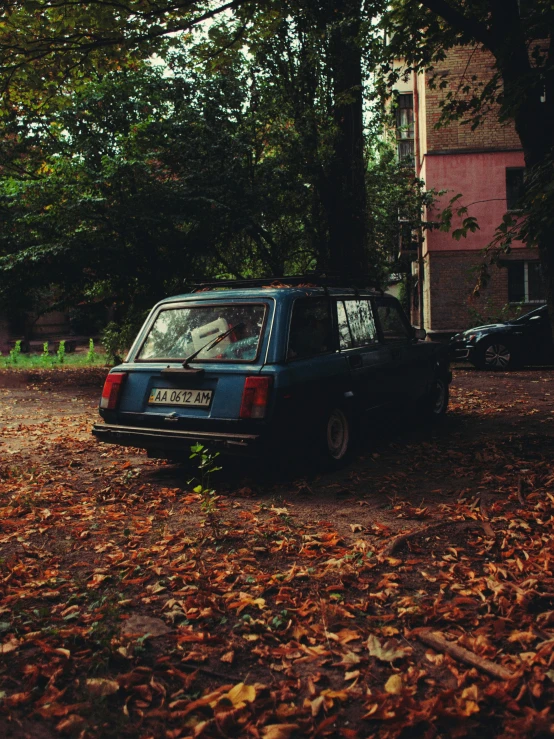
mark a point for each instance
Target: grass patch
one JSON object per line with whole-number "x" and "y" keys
{"x": 42, "y": 361}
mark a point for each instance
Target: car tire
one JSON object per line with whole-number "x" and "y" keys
{"x": 496, "y": 355}
{"x": 338, "y": 437}
{"x": 434, "y": 404}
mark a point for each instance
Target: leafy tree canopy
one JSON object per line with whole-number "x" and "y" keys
{"x": 244, "y": 153}
{"x": 51, "y": 47}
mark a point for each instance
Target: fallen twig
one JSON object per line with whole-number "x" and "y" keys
{"x": 520, "y": 491}
{"x": 439, "y": 643}
{"x": 398, "y": 541}
{"x": 487, "y": 528}
{"x": 206, "y": 671}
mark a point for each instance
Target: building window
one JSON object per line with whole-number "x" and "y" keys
{"x": 405, "y": 126}
{"x": 515, "y": 179}
{"x": 525, "y": 283}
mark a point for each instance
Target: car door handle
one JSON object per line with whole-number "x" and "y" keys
{"x": 355, "y": 361}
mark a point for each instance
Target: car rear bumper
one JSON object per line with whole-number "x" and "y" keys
{"x": 173, "y": 440}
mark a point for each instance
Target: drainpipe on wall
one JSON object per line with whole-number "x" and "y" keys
{"x": 420, "y": 235}
{"x": 416, "y": 132}
{"x": 420, "y": 270}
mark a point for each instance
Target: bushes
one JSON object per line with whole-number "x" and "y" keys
{"x": 117, "y": 339}
{"x": 51, "y": 356}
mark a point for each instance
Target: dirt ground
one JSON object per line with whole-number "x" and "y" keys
{"x": 397, "y": 462}
{"x": 300, "y": 590}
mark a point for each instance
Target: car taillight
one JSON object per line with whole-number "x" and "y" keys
{"x": 112, "y": 388}
{"x": 255, "y": 397}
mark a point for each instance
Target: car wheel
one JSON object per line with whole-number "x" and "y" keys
{"x": 495, "y": 355}
{"x": 435, "y": 403}
{"x": 338, "y": 436}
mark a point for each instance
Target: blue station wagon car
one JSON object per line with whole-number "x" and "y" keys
{"x": 252, "y": 367}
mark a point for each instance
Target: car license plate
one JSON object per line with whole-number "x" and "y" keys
{"x": 166, "y": 396}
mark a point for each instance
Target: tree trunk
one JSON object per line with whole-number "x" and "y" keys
{"x": 345, "y": 194}
{"x": 529, "y": 100}
{"x": 535, "y": 128}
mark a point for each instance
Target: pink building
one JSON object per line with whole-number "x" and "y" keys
{"x": 486, "y": 167}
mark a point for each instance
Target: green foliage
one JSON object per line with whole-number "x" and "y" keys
{"x": 206, "y": 467}
{"x": 397, "y": 200}
{"x": 15, "y": 352}
{"x": 404, "y": 294}
{"x": 91, "y": 354}
{"x": 117, "y": 340}
{"x": 61, "y": 352}
{"x": 37, "y": 361}
{"x": 468, "y": 224}
{"x": 45, "y": 356}
{"x": 133, "y": 198}
{"x": 131, "y": 179}
{"x": 49, "y": 51}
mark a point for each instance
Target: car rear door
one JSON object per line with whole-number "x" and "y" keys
{"x": 315, "y": 374}
{"x": 408, "y": 368}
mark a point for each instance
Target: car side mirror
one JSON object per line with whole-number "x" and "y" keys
{"x": 420, "y": 333}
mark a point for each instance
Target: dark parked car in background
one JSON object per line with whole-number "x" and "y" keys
{"x": 503, "y": 346}
{"x": 253, "y": 367}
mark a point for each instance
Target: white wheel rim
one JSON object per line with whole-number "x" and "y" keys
{"x": 497, "y": 356}
{"x": 338, "y": 434}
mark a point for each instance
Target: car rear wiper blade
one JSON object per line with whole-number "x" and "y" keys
{"x": 212, "y": 343}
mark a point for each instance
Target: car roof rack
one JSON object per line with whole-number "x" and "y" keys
{"x": 308, "y": 279}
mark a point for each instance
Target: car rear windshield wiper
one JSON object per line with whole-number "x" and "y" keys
{"x": 212, "y": 343}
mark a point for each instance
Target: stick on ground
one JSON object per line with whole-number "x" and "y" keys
{"x": 394, "y": 545}
{"x": 520, "y": 491}
{"x": 439, "y": 643}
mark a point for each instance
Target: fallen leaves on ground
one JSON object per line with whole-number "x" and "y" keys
{"x": 123, "y": 614}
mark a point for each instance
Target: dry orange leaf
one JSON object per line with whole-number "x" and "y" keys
{"x": 394, "y": 684}
{"x": 279, "y": 731}
{"x": 9, "y": 646}
{"x": 237, "y": 697}
{"x": 386, "y": 652}
{"x": 99, "y": 686}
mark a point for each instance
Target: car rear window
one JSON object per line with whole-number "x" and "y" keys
{"x": 177, "y": 333}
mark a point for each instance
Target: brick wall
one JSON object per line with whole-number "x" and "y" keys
{"x": 450, "y": 278}
{"x": 460, "y": 65}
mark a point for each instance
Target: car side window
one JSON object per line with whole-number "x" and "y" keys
{"x": 311, "y": 331}
{"x": 355, "y": 323}
{"x": 392, "y": 321}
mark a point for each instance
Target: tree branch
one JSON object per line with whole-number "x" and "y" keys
{"x": 89, "y": 41}
{"x": 469, "y": 26}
